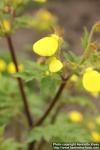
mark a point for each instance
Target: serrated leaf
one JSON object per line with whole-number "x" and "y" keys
{"x": 63, "y": 130}
{"x": 32, "y": 71}
{"x": 69, "y": 55}
{"x": 49, "y": 83}
{"x": 85, "y": 38}
{"x": 9, "y": 144}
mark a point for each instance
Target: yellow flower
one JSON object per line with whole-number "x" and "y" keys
{"x": 74, "y": 78}
{"x": 2, "y": 65}
{"x": 91, "y": 125}
{"x": 91, "y": 80}
{"x": 46, "y": 46}
{"x": 11, "y": 68}
{"x": 55, "y": 36}
{"x": 95, "y": 136}
{"x": 97, "y": 120}
{"x": 75, "y": 116}
{"x": 55, "y": 65}
{"x": 45, "y": 18}
{"x": 6, "y": 25}
{"x": 44, "y": 15}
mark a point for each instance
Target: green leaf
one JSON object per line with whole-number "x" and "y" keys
{"x": 24, "y": 21}
{"x": 85, "y": 38}
{"x": 9, "y": 144}
{"x": 38, "y": 134}
{"x": 83, "y": 101}
{"x": 69, "y": 55}
{"x": 32, "y": 71}
{"x": 63, "y": 130}
{"x": 1, "y": 4}
{"x": 10, "y": 100}
{"x": 2, "y": 128}
{"x": 49, "y": 83}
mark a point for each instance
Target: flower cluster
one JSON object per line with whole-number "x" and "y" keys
{"x": 47, "y": 47}
{"x": 10, "y": 67}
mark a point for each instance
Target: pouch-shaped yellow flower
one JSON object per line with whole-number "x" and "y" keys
{"x": 74, "y": 78}
{"x": 2, "y": 65}
{"x": 91, "y": 80}
{"x": 55, "y": 65}
{"x": 46, "y": 46}
{"x": 11, "y": 68}
{"x": 6, "y": 25}
{"x": 44, "y": 15}
{"x": 75, "y": 116}
{"x": 95, "y": 136}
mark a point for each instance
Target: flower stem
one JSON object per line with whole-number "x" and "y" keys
{"x": 53, "y": 102}
{"x": 21, "y": 87}
{"x": 20, "y": 82}
{"x": 31, "y": 146}
{"x": 86, "y": 51}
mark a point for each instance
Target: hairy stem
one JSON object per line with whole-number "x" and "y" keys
{"x": 50, "y": 107}
{"x": 88, "y": 45}
{"x": 21, "y": 87}
{"x": 41, "y": 145}
{"x": 31, "y": 146}
{"x": 20, "y": 82}
{"x": 52, "y": 104}
{"x": 56, "y": 113}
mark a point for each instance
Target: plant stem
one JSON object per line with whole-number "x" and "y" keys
{"x": 20, "y": 82}
{"x": 41, "y": 145}
{"x": 88, "y": 45}
{"x": 53, "y": 102}
{"x": 50, "y": 107}
{"x": 56, "y": 113}
{"x": 31, "y": 146}
{"x": 21, "y": 87}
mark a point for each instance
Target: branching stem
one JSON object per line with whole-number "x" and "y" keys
{"x": 88, "y": 46}
{"x": 53, "y": 103}
{"x": 21, "y": 87}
